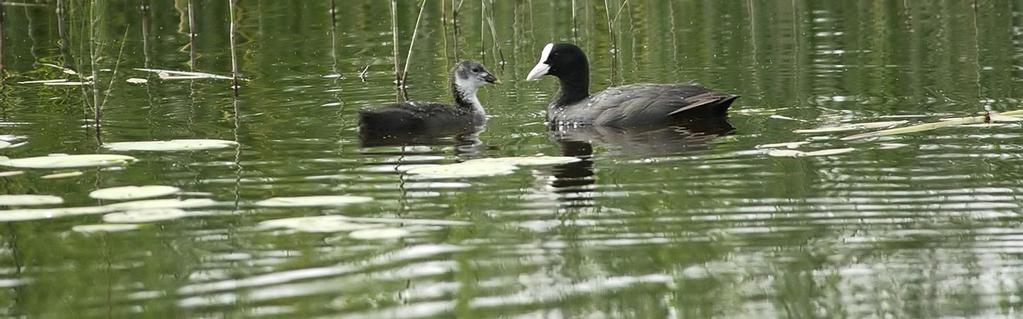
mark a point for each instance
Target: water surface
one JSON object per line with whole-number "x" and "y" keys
{"x": 677, "y": 222}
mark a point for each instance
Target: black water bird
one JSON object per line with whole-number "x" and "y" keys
{"x": 415, "y": 119}
{"x": 621, "y": 106}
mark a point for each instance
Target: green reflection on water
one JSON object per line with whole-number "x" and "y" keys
{"x": 651, "y": 225}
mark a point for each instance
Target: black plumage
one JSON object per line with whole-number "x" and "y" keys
{"x": 621, "y": 106}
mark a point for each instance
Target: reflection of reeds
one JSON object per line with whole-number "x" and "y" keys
{"x": 234, "y": 55}
{"x": 408, "y": 56}
{"x": 394, "y": 39}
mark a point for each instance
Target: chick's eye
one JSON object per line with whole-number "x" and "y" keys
{"x": 477, "y": 70}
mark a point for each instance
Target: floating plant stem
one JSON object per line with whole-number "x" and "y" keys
{"x": 394, "y": 39}
{"x": 234, "y": 55}
{"x": 408, "y": 56}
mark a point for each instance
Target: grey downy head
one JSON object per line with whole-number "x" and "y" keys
{"x": 468, "y": 76}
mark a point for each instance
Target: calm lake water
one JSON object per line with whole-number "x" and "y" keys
{"x": 678, "y": 222}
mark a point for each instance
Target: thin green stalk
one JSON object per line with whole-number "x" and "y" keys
{"x": 394, "y": 39}
{"x": 234, "y": 55}
{"x": 408, "y": 56}
{"x": 191, "y": 36}
{"x": 117, "y": 63}
{"x": 97, "y": 105}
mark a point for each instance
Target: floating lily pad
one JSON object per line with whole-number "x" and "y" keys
{"x": 464, "y": 170}
{"x": 145, "y": 215}
{"x": 68, "y": 161}
{"x": 163, "y": 203}
{"x": 137, "y": 81}
{"x": 380, "y": 233}
{"x": 68, "y": 83}
{"x": 28, "y": 200}
{"x": 48, "y": 213}
{"x": 525, "y": 160}
{"x": 62, "y": 175}
{"x": 795, "y": 153}
{"x": 43, "y": 81}
{"x": 307, "y": 201}
{"x": 851, "y": 127}
{"x": 11, "y": 173}
{"x": 133, "y": 192}
{"x": 105, "y": 228}
{"x": 318, "y": 224}
{"x": 790, "y": 145}
{"x": 889, "y": 146}
{"x": 170, "y": 145}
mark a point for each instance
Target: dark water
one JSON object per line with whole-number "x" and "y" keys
{"x": 677, "y": 222}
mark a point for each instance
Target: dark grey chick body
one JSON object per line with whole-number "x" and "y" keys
{"x": 416, "y": 118}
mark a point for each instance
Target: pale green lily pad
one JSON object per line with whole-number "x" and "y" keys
{"x": 145, "y": 215}
{"x": 62, "y": 175}
{"x": 795, "y": 153}
{"x": 170, "y": 145}
{"x": 525, "y": 160}
{"x": 464, "y": 170}
{"x": 891, "y": 146}
{"x": 43, "y": 81}
{"x": 68, "y": 161}
{"x": 105, "y": 228}
{"x": 68, "y": 83}
{"x": 133, "y": 192}
{"x": 789, "y": 145}
{"x": 318, "y": 224}
{"x": 308, "y": 201}
{"x": 29, "y": 200}
{"x": 380, "y": 233}
{"x": 48, "y": 213}
{"x": 11, "y": 173}
{"x": 163, "y": 203}
{"x": 851, "y": 127}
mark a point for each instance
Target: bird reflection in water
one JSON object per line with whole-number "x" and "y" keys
{"x": 574, "y": 182}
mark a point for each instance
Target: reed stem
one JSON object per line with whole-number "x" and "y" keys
{"x": 394, "y": 38}
{"x": 408, "y": 56}
{"x": 97, "y": 106}
{"x": 191, "y": 35}
{"x": 234, "y": 55}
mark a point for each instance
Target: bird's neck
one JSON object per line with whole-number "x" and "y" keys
{"x": 575, "y": 87}
{"x": 465, "y": 98}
